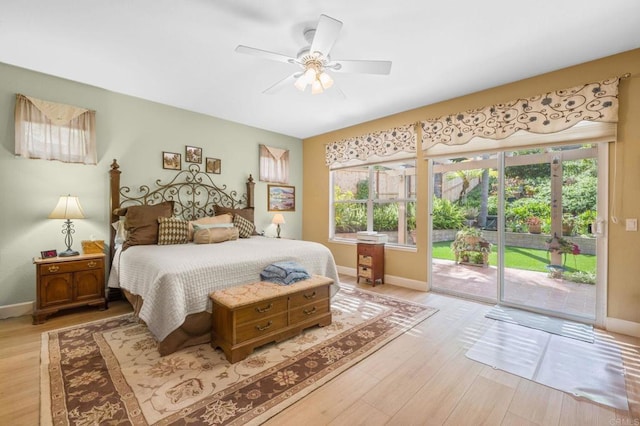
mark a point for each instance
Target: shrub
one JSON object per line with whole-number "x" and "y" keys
{"x": 446, "y": 215}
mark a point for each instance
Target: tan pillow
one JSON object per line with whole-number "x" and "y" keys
{"x": 247, "y": 213}
{"x": 141, "y": 223}
{"x": 209, "y": 220}
{"x": 215, "y": 235}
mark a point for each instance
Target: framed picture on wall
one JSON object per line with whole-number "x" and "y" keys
{"x": 281, "y": 198}
{"x": 193, "y": 154}
{"x": 171, "y": 160}
{"x": 213, "y": 165}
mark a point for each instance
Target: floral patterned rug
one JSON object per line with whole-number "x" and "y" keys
{"x": 110, "y": 372}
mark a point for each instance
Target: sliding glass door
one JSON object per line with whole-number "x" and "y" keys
{"x": 550, "y": 201}
{"x": 520, "y": 228}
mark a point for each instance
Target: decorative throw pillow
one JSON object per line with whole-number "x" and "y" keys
{"x": 245, "y": 227}
{"x": 247, "y": 213}
{"x": 141, "y": 223}
{"x": 172, "y": 231}
{"x": 215, "y": 235}
{"x": 209, "y": 220}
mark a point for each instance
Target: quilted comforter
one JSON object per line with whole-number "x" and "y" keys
{"x": 175, "y": 280}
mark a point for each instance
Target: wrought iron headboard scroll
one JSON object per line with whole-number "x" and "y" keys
{"x": 193, "y": 192}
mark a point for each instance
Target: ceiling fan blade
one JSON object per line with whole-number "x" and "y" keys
{"x": 326, "y": 35}
{"x": 287, "y": 81}
{"x": 265, "y": 54}
{"x": 361, "y": 67}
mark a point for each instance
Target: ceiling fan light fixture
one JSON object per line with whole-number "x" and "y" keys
{"x": 325, "y": 80}
{"x": 301, "y": 83}
{"x": 316, "y": 87}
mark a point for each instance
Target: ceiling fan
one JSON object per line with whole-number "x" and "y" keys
{"x": 314, "y": 60}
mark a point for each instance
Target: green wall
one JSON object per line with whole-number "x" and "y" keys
{"x": 131, "y": 130}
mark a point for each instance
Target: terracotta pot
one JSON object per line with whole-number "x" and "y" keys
{"x": 535, "y": 228}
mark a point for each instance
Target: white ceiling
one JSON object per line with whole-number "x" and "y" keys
{"x": 181, "y": 53}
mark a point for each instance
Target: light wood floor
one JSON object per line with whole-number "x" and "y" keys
{"x": 422, "y": 377}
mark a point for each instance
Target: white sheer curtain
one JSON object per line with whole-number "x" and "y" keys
{"x": 54, "y": 131}
{"x": 274, "y": 164}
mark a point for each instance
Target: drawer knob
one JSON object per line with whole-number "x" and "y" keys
{"x": 264, "y": 327}
{"x": 265, "y": 309}
{"x": 309, "y": 311}
{"x": 92, "y": 264}
{"x": 310, "y": 296}
{"x": 53, "y": 268}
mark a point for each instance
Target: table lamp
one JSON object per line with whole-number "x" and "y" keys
{"x": 278, "y": 219}
{"x": 68, "y": 208}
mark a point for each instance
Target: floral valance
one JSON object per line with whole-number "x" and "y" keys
{"x": 550, "y": 112}
{"x": 396, "y": 143}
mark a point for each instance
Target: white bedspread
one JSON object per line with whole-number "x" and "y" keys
{"x": 175, "y": 280}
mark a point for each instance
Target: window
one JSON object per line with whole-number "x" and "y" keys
{"x": 53, "y": 131}
{"x": 379, "y": 197}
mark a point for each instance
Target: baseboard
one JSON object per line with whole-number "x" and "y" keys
{"x": 389, "y": 279}
{"x": 629, "y": 328}
{"x": 17, "y": 310}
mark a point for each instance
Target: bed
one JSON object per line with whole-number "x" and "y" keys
{"x": 168, "y": 284}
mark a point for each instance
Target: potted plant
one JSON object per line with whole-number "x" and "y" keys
{"x": 535, "y": 225}
{"x": 470, "y": 247}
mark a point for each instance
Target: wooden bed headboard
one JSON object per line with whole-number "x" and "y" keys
{"x": 193, "y": 192}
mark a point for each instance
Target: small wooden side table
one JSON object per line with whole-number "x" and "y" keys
{"x": 68, "y": 282}
{"x": 371, "y": 262}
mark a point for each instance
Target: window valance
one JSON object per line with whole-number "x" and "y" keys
{"x": 393, "y": 144}
{"x": 547, "y": 113}
{"x": 54, "y": 131}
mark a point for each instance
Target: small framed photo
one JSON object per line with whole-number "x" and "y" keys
{"x": 281, "y": 198}
{"x": 193, "y": 154}
{"x": 213, "y": 165}
{"x": 48, "y": 253}
{"x": 171, "y": 160}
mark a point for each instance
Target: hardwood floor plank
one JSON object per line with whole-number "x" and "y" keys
{"x": 361, "y": 414}
{"x": 537, "y": 403}
{"x": 435, "y": 401}
{"x": 485, "y": 402}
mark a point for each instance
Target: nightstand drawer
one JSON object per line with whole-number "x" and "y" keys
{"x": 365, "y": 260}
{"x": 367, "y": 249}
{"x": 62, "y": 267}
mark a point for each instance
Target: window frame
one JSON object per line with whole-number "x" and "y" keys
{"x": 372, "y": 200}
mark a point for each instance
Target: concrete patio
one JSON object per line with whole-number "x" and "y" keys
{"x": 535, "y": 289}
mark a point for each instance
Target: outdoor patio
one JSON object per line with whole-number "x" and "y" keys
{"x": 535, "y": 289}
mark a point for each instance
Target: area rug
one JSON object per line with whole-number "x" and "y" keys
{"x": 586, "y": 370}
{"x": 110, "y": 370}
{"x": 559, "y": 326}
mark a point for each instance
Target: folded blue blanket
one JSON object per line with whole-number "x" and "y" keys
{"x": 284, "y": 273}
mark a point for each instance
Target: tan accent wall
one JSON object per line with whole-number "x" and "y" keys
{"x": 624, "y": 247}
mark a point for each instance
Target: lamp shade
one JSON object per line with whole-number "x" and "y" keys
{"x": 278, "y": 219}
{"x": 68, "y": 207}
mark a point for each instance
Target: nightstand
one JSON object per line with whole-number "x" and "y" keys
{"x": 371, "y": 262}
{"x": 68, "y": 282}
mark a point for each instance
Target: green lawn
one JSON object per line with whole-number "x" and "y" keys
{"x": 524, "y": 258}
